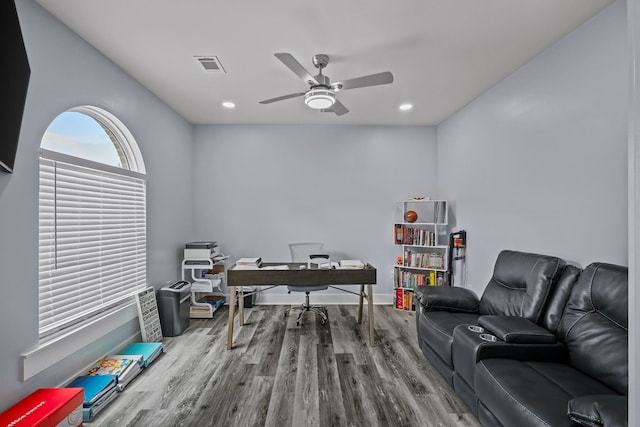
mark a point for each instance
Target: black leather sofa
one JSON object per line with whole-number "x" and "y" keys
{"x": 545, "y": 345}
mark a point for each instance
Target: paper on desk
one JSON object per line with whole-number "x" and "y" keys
{"x": 245, "y": 267}
{"x": 351, "y": 263}
{"x": 275, "y": 267}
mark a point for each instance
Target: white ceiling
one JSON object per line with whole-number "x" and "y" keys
{"x": 442, "y": 53}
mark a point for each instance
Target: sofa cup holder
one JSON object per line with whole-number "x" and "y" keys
{"x": 475, "y": 328}
{"x": 488, "y": 337}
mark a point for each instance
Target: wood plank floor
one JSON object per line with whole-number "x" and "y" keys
{"x": 279, "y": 375}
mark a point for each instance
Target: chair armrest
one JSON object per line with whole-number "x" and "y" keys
{"x": 598, "y": 410}
{"x": 515, "y": 329}
{"x": 447, "y": 298}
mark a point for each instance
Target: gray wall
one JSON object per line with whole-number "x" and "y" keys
{"x": 633, "y": 31}
{"x": 544, "y": 146}
{"x": 66, "y": 72}
{"x": 257, "y": 188}
{"x": 539, "y": 162}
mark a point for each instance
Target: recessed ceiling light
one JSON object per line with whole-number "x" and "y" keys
{"x": 405, "y": 107}
{"x": 228, "y": 104}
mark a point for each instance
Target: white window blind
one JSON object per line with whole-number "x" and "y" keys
{"x": 92, "y": 227}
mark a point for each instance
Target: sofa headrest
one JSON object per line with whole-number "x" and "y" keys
{"x": 559, "y": 297}
{"x": 594, "y": 324}
{"x": 521, "y": 284}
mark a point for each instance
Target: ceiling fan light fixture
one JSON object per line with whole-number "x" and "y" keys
{"x": 320, "y": 98}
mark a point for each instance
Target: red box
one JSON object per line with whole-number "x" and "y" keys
{"x": 46, "y": 407}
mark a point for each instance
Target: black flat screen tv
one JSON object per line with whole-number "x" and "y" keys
{"x": 15, "y": 81}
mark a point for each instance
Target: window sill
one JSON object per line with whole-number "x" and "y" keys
{"x": 52, "y": 352}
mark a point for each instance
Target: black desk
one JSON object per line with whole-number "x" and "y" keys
{"x": 295, "y": 276}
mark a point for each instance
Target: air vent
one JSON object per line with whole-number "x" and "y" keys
{"x": 211, "y": 64}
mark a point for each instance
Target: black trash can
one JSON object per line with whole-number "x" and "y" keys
{"x": 248, "y": 299}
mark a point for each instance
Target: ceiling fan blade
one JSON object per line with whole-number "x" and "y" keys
{"x": 364, "y": 81}
{"x": 338, "y": 108}
{"x": 281, "y": 98}
{"x": 293, "y": 64}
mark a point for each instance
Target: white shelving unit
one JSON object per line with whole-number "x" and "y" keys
{"x": 203, "y": 284}
{"x": 425, "y": 248}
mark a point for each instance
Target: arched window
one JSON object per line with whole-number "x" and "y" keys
{"x": 92, "y": 219}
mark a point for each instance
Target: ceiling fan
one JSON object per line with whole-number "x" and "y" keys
{"x": 322, "y": 93}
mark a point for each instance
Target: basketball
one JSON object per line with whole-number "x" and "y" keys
{"x": 410, "y": 216}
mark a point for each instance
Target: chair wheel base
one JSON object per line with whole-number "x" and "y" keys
{"x": 320, "y": 311}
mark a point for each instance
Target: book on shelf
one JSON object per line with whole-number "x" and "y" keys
{"x": 95, "y": 387}
{"x": 413, "y": 236}
{"x": 398, "y": 298}
{"x": 150, "y": 351}
{"x": 440, "y": 210}
{"x": 417, "y": 259}
{"x": 408, "y": 301}
{"x": 403, "y": 299}
{"x": 410, "y": 280}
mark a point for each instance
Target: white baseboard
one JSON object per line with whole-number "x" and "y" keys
{"x": 46, "y": 355}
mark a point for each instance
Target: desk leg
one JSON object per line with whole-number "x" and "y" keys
{"x": 241, "y": 306}
{"x": 360, "y": 304}
{"x": 232, "y": 306}
{"x": 370, "y": 300}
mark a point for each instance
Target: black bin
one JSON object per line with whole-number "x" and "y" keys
{"x": 174, "y": 305}
{"x": 248, "y": 299}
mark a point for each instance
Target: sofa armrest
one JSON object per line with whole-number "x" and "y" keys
{"x": 515, "y": 329}
{"x": 472, "y": 345}
{"x": 447, "y": 298}
{"x": 467, "y": 341}
{"x": 599, "y": 410}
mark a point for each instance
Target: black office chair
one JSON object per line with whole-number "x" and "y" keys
{"x": 311, "y": 254}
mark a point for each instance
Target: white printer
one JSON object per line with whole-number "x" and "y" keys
{"x": 201, "y": 250}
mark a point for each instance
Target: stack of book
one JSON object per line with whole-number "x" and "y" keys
{"x": 149, "y": 351}
{"x": 99, "y": 391}
{"x": 110, "y": 375}
{"x": 124, "y": 367}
